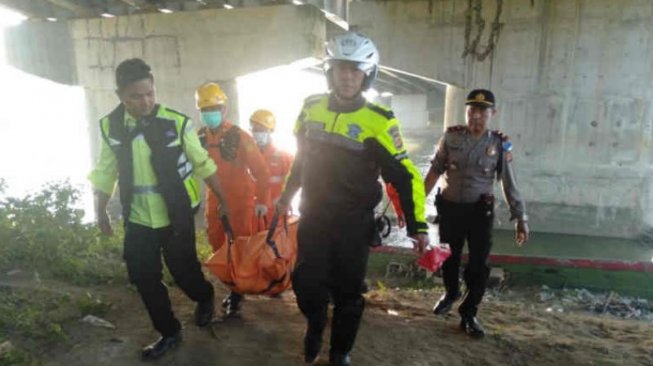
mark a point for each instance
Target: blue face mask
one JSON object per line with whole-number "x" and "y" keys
{"x": 261, "y": 138}
{"x": 212, "y": 119}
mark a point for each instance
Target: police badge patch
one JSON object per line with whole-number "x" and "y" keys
{"x": 353, "y": 130}
{"x": 396, "y": 138}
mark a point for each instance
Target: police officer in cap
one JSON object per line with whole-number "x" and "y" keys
{"x": 470, "y": 158}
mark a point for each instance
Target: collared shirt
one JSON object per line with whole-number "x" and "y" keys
{"x": 470, "y": 166}
{"x": 148, "y": 207}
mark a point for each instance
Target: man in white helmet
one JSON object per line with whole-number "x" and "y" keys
{"x": 344, "y": 142}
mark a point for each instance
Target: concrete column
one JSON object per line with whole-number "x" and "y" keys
{"x": 230, "y": 88}
{"x": 410, "y": 109}
{"x": 454, "y": 106}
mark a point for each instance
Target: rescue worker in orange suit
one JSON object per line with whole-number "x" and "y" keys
{"x": 154, "y": 154}
{"x": 279, "y": 162}
{"x": 344, "y": 143}
{"x": 243, "y": 174}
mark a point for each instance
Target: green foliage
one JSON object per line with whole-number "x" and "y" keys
{"x": 20, "y": 314}
{"x": 45, "y": 233}
{"x": 17, "y": 357}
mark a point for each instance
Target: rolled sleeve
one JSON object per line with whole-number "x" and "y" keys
{"x": 103, "y": 177}
{"x": 203, "y": 165}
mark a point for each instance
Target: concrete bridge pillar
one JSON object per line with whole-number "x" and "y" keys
{"x": 454, "y": 110}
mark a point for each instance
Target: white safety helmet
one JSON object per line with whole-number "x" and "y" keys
{"x": 355, "y": 47}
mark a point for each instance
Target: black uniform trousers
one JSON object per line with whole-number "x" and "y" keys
{"x": 471, "y": 222}
{"x": 143, "y": 247}
{"x": 332, "y": 262}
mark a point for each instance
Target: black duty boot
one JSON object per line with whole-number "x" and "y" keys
{"x": 445, "y": 303}
{"x": 157, "y": 349}
{"x": 339, "y": 359}
{"x": 471, "y": 326}
{"x": 204, "y": 312}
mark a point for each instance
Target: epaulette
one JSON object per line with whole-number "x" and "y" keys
{"x": 501, "y": 135}
{"x": 388, "y": 114}
{"x": 457, "y": 128}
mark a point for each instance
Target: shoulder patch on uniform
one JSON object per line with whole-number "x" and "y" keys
{"x": 397, "y": 141}
{"x": 457, "y": 128}
{"x": 388, "y": 114}
{"x": 506, "y": 144}
{"x": 353, "y": 130}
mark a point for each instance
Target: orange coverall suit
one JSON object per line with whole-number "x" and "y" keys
{"x": 279, "y": 163}
{"x": 244, "y": 179}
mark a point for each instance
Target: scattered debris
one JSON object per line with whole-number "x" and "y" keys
{"x": 394, "y": 268}
{"x": 602, "y": 303}
{"x": 98, "y": 322}
{"x": 497, "y": 276}
{"x": 393, "y": 312}
{"x": 14, "y": 272}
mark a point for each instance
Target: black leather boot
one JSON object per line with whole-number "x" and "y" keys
{"x": 445, "y": 304}
{"x": 472, "y": 327}
{"x": 339, "y": 359}
{"x": 157, "y": 349}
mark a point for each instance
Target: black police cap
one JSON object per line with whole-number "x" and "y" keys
{"x": 480, "y": 98}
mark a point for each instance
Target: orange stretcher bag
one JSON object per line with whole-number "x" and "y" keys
{"x": 259, "y": 264}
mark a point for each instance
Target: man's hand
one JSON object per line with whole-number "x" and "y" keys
{"x": 521, "y": 232}
{"x": 260, "y": 210}
{"x": 103, "y": 223}
{"x": 420, "y": 242}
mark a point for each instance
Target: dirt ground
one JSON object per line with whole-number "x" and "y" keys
{"x": 398, "y": 329}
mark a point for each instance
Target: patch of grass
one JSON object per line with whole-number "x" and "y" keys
{"x": 31, "y": 313}
{"x": 44, "y": 232}
{"x": 17, "y": 357}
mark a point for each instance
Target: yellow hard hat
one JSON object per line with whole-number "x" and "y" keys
{"x": 210, "y": 95}
{"x": 264, "y": 118}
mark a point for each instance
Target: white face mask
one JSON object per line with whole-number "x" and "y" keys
{"x": 261, "y": 138}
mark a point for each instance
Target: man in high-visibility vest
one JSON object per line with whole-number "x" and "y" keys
{"x": 155, "y": 155}
{"x": 344, "y": 143}
{"x": 262, "y": 124}
{"x": 244, "y": 176}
